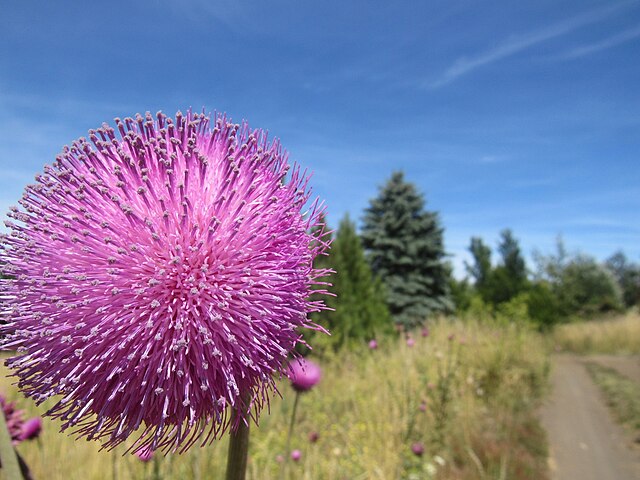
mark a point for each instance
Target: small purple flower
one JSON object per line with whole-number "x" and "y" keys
{"x": 279, "y": 458}
{"x": 373, "y": 344}
{"x": 410, "y": 342}
{"x": 313, "y": 437}
{"x": 14, "y": 419}
{"x": 423, "y": 406}
{"x": 425, "y": 332}
{"x": 145, "y": 454}
{"x": 296, "y": 455}
{"x": 160, "y": 278}
{"x": 31, "y": 429}
{"x": 417, "y": 449}
{"x": 304, "y": 374}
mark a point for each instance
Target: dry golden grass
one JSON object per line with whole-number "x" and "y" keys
{"x": 620, "y": 335}
{"x": 480, "y": 388}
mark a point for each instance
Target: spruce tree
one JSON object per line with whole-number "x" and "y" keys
{"x": 405, "y": 248}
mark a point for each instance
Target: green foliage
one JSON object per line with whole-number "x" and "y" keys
{"x": 359, "y": 311}
{"x": 543, "y": 305}
{"x": 405, "y": 248}
{"x": 586, "y": 288}
{"x": 461, "y": 293}
{"x": 628, "y": 276}
{"x": 500, "y": 284}
{"x": 480, "y": 270}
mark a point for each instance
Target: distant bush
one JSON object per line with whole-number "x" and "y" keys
{"x": 586, "y": 288}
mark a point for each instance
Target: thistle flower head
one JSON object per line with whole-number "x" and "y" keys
{"x": 160, "y": 272}
{"x": 373, "y": 344}
{"x": 18, "y": 428}
{"x": 31, "y": 429}
{"x": 417, "y": 448}
{"x": 145, "y": 454}
{"x": 304, "y": 374}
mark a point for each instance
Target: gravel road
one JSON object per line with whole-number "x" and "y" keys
{"x": 584, "y": 441}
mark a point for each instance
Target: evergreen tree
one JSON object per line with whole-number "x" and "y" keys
{"x": 359, "y": 312}
{"x": 509, "y": 278}
{"x": 405, "y": 248}
{"x": 480, "y": 270}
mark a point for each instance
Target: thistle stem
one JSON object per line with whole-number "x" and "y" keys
{"x": 238, "y": 449}
{"x": 291, "y": 424}
{"x": 10, "y": 466}
{"x": 287, "y": 453}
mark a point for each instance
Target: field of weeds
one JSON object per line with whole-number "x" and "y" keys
{"x": 618, "y": 335}
{"x": 455, "y": 404}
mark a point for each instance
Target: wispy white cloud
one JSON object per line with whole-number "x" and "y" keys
{"x": 516, "y": 44}
{"x": 596, "y": 47}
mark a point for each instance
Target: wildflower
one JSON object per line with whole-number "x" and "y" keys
{"x": 423, "y": 406}
{"x": 373, "y": 344}
{"x": 159, "y": 279}
{"x": 304, "y": 374}
{"x": 296, "y": 455}
{"x": 417, "y": 449}
{"x": 19, "y": 430}
{"x": 31, "y": 429}
{"x": 145, "y": 454}
{"x": 313, "y": 437}
{"x": 410, "y": 342}
{"x": 425, "y": 332}
{"x": 279, "y": 458}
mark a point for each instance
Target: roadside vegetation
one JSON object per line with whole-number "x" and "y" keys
{"x": 622, "y": 395}
{"x": 462, "y": 397}
{"x": 614, "y": 335}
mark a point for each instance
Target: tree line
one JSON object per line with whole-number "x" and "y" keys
{"x": 396, "y": 273}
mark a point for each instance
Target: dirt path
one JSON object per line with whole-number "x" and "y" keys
{"x": 584, "y": 441}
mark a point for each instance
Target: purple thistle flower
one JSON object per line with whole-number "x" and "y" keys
{"x": 31, "y": 429}
{"x": 14, "y": 419}
{"x": 313, "y": 436}
{"x": 410, "y": 342}
{"x": 417, "y": 449}
{"x": 145, "y": 454}
{"x": 159, "y": 279}
{"x": 304, "y": 374}
{"x": 373, "y": 344}
{"x": 296, "y": 455}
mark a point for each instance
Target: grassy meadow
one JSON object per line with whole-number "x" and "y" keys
{"x": 467, "y": 393}
{"x": 616, "y": 335}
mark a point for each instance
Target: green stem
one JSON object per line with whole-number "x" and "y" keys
{"x": 10, "y": 465}
{"x": 156, "y": 468}
{"x": 287, "y": 453}
{"x": 238, "y": 449}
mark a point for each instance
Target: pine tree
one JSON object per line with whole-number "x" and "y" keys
{"x": 405, "y": 248}
{"x": 481, "y": 268}
{"x": 359, "y": 311}
{"x": 509, "y": 278}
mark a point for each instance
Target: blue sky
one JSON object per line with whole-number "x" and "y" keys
{"x": 521, "y": 115}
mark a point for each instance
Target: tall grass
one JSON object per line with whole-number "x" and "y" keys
{"x": 619, "y": 335}
{"x": 479, "y": 382}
